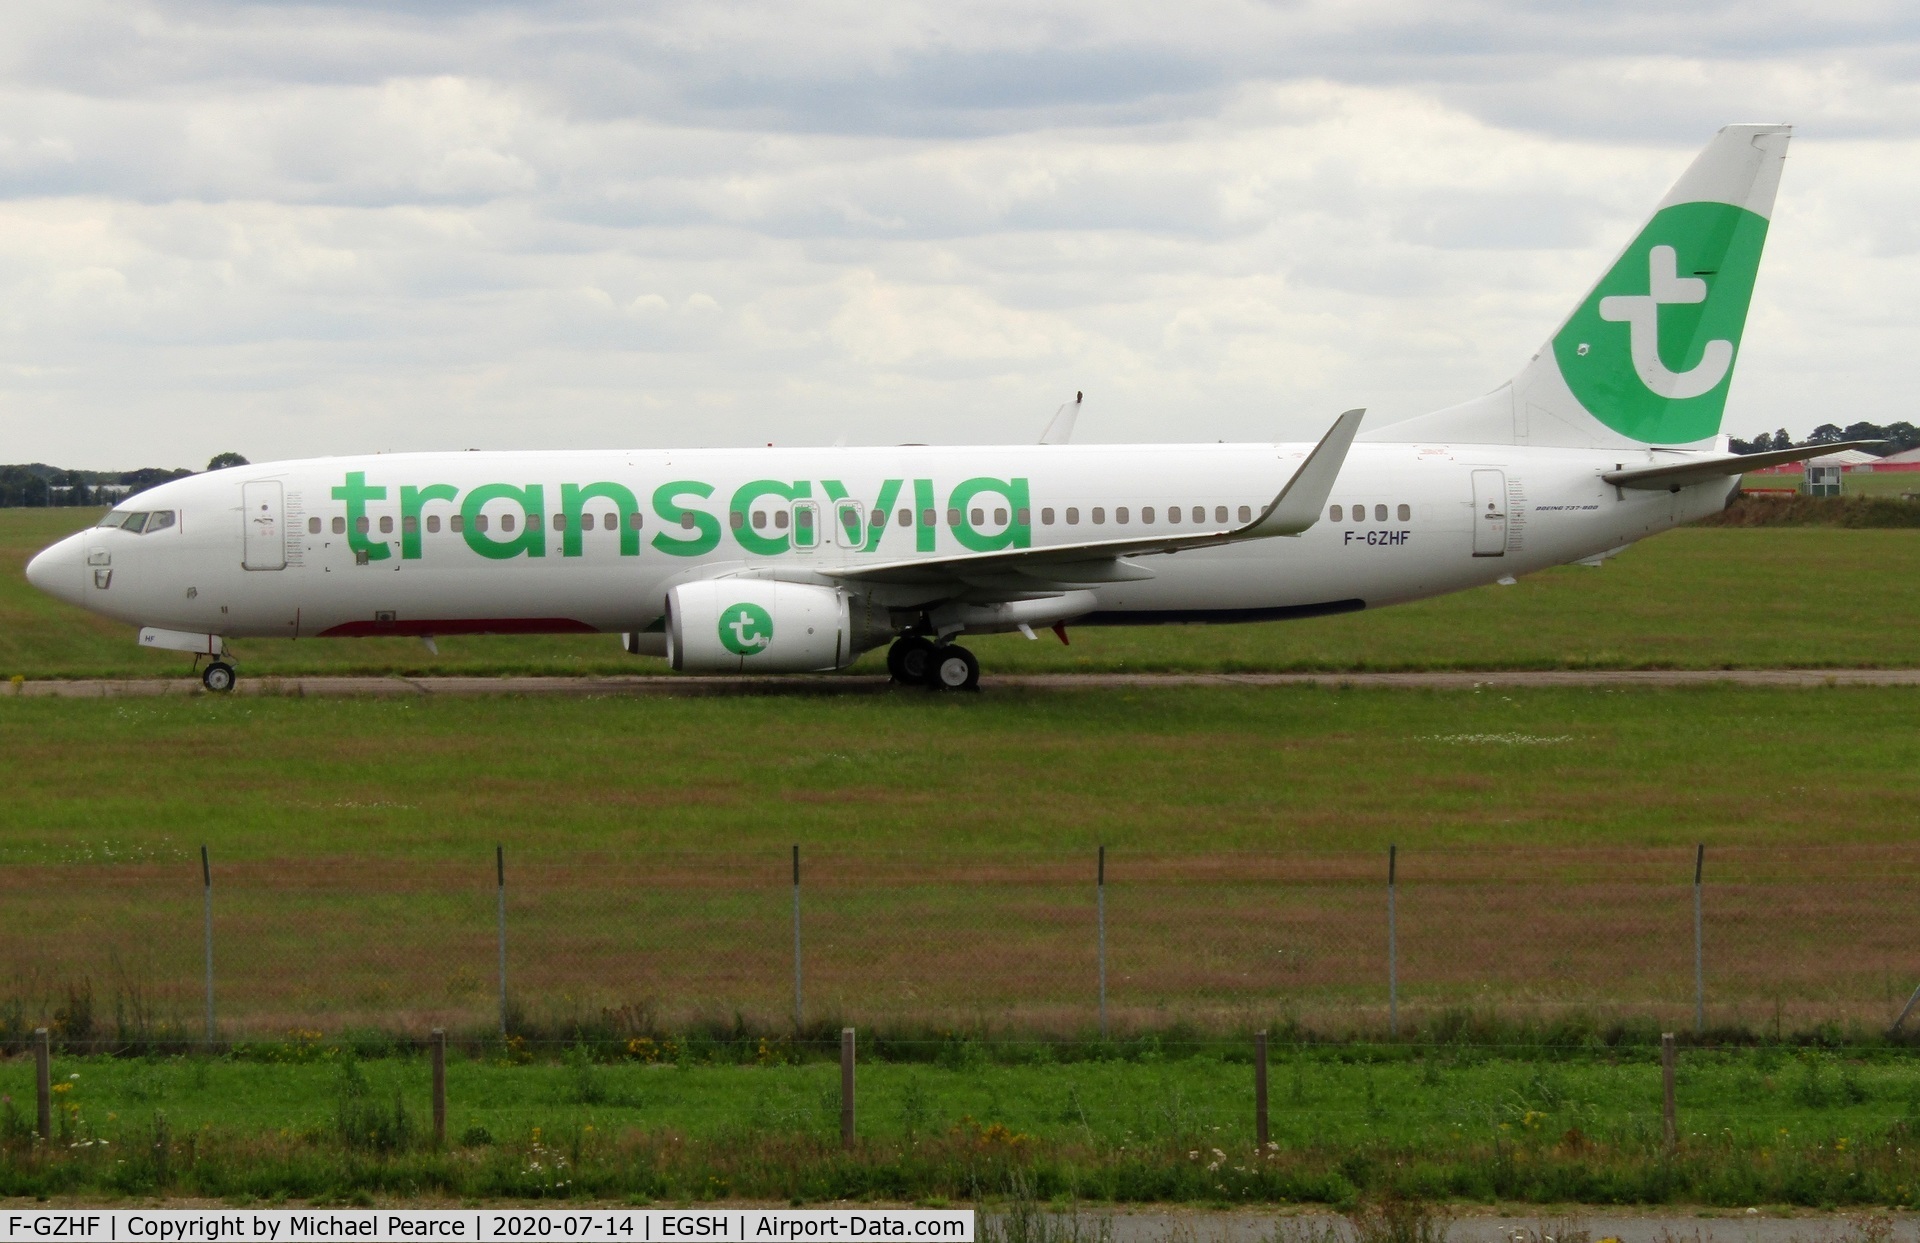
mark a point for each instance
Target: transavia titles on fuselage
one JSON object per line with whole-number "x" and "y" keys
{"x": 775, "y": 560}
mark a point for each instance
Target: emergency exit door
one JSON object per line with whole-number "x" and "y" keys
{"x": 1489, "y": 513}
{"x": 262, "y": 509}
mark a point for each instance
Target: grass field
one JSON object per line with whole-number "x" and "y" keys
{"x": 1544, "y": 913}
{"x": 1763, "y": 1126}
{"x": 1695, "y": 598}
{"x": 949, "y": 854}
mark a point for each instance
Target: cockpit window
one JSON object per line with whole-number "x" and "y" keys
{"x": 112, "y": 518}
{"x": 159, "y": 520}
{"x": 135, "y": 523}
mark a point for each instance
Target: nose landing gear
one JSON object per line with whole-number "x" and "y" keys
{"x": 218, "y": 677}
{"x": 919, "y": 661}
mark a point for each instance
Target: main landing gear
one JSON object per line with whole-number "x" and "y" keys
{"x": 919, "y": 661}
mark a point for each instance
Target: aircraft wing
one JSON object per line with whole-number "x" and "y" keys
{"x": 1294, "y": 508}
{"x": 1703, "y": 470}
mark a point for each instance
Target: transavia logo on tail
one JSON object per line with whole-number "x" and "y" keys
{"x": 745, "y": 629}
{"x": 1650, "y": 352}
{"x": 1641, "y": 314}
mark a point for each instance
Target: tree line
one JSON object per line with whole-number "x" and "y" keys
{"x": 37, "y": 485}
{"x": 1898, "y": 437}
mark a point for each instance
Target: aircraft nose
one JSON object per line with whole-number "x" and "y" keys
{"x": 56, "y": 570}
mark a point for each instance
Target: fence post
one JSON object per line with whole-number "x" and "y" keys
{"x": 206, "y": 889}
{"x": 43, "y": 1080}
{"x": 1100, "y": 921}
{"x": 798, "y": 1011}
{"x": 1393, "y": 943}
{"x": 1699, "y": 947}
{"x": 1260, "y": 1090}
{"x": 439, "y": 1046}
{"x": 500, "y": 916}
{"x": 1667, "y": 1113}
{"x": 846, "y": 1087}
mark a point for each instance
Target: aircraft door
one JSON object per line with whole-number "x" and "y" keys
{"x": 849, "y": 524}
{"x": 806, "y": 526}
{"x": 263, "y": 511}
{"x": 1489, "y": 513}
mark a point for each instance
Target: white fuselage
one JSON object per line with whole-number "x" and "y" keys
{"x": 278, "y": 549}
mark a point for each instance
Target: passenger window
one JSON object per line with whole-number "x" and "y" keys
{"x": 1046, "y": 517}
{"x": 1120, "y": 514}
{"x": 1099, "y": 515}
{"x": 1220, "y": 514}
{"x": 1022, "y": 517}
{"x": 559, "y": 522}
{"x": 457, "y": 523}
{"x": 479, "y": 522}
{"x": 506, "y": 522}
{"x": 1073, "y": 516}
{"x": 686, "y": 520}
{"x": 1000, "y": 517}
{"x": 433, "y": 524}
{"x": 340, "y": 526}
{"x": 877, "y": 519}
{"x": 906, "y": 517}
{"x": 633, "y": 520}
{"x": 1146, "y": 513}
{"x": 759, "y": 519}
{"x": 1173, "y": 514}
{"x": 979, "y": 517}
{"x": 362, "y": 526}
{"x": 1379, "y": 513}
{"x": 735, "y": 520}
{"x": 1406, "y": 513}
{"x": 953, "y": 517}
{"x": 410, "y": 524}
{"x": 1359, "y": 513}
{"x": 929, "y": 518}
{"x": 1246, "y": 513}
{"x": 780, "y": 520}
{"x": 313, "y": 526}
{"x": 1199, "y": 513}
{"x": 1333, "y": 513}
{"x": 533, "y": 522}
{"x": 386, "y": 525}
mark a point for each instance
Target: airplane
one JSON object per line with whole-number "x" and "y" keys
{"x": 801, "y": 559}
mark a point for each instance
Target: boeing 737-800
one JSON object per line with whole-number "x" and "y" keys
{"x": 784, "y": 560}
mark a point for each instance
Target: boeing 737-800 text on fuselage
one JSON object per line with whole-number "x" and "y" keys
{"x": 776, "y": 560}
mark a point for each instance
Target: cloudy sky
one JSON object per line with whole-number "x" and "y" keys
{"x": 290, "y": 229}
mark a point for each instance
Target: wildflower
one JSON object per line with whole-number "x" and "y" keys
{"x": 74, "y": 1075}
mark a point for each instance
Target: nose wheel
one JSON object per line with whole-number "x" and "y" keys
{"x": 218, "y": 677}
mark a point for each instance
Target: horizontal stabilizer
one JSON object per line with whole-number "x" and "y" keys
{"x": 1704, "y": 470}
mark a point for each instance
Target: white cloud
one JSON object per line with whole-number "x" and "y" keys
{"x": 330, "y": 227}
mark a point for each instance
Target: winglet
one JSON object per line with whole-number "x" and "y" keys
{"x": 1299, "y": 504}
{"x": 1060, "y": 431}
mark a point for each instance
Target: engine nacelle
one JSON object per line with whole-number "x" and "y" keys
{"x": 749, "y": 625}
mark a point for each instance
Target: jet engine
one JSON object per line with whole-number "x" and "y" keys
{"x": 749, "y": 625}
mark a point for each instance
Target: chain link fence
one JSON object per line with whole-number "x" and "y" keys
{"x": 155, "y": 949}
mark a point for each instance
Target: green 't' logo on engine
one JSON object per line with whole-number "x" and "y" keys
{"x": 745, "y": 629}
{"x": 1650, "y": 352}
